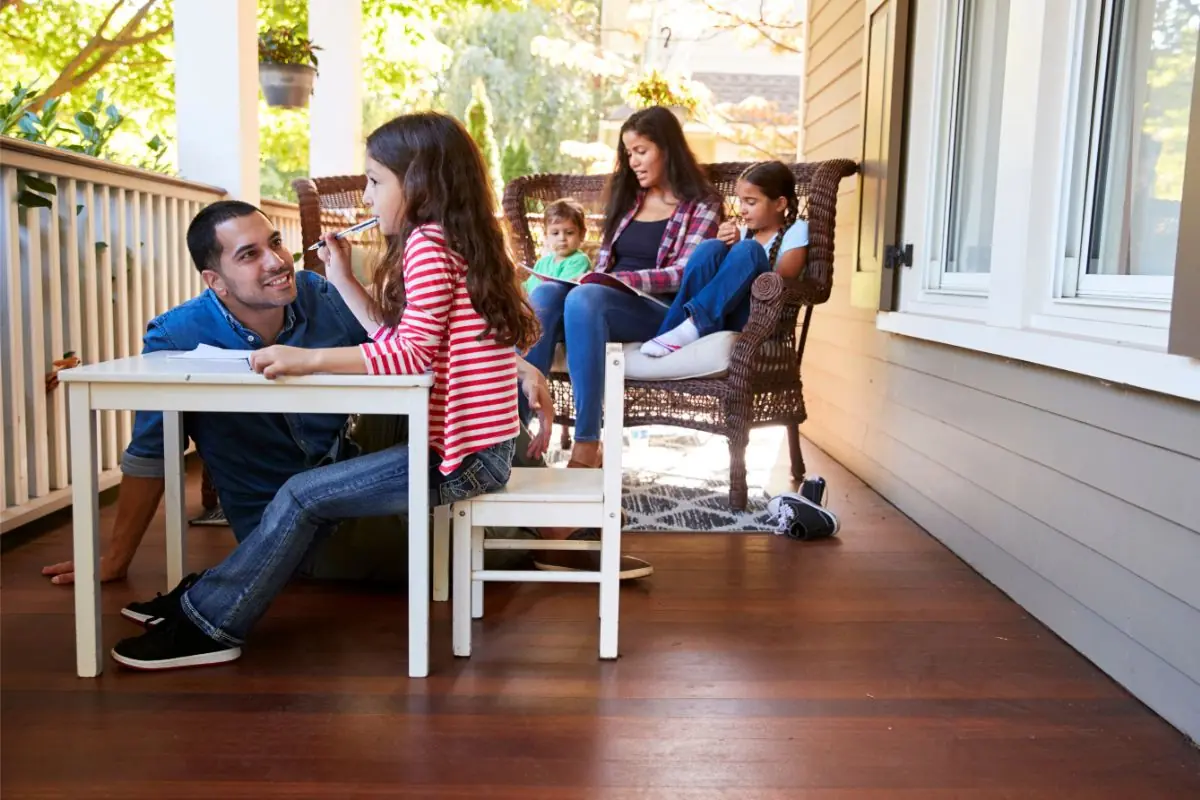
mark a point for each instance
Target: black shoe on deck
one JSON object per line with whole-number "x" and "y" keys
{"x": 154, "y": 611}
{"x": 172, "y": 644}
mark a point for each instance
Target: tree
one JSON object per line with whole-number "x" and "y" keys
{"x": 479, "y": 125}
{"x": 539, "y": 92}
{"x": 517, "y": 160}
{"x": 73, "y": 50}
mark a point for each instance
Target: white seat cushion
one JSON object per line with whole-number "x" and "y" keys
{"x": 705, "y": 358}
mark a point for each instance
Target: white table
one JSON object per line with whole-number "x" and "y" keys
{"x": 157, "y": 383}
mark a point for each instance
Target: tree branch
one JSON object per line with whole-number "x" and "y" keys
{"x": 74, "y": 74}
{"x": 145, "y": 37}
{"x": 767, "y": 30}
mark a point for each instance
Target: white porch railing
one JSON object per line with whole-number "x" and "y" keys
{"x": 84, "y": 276}
{"x": 286, "y": 218}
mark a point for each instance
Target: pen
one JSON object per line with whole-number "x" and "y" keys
{"x": 365, "y": 225}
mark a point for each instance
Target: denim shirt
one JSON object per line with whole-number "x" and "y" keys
{"x": 249, "y": 455}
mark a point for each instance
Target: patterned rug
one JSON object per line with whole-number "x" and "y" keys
{"x": 678, "y": 480}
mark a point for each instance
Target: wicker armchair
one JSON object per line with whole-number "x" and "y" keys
{"x": 763, "y": 385}
{"x": 329, "y": 205}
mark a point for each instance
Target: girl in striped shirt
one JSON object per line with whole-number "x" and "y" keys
{"x": 446, "y": 299}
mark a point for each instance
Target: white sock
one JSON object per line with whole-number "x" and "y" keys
{"x": 681, "y": 335}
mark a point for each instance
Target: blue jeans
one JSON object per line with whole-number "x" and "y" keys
{"x": 715, "y": 290}
{"x": 228, "y": 599}
{"x": 586, "y": 318}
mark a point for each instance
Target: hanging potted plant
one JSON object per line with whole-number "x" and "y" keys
{"x": 654, "y": 89}
{"x": 287, "y": 64}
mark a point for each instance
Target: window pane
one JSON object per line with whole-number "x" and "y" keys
{"x": 984, "y": 37}
{"x": 1147, "y": 94}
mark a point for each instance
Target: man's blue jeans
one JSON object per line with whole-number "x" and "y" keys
{"x": 715, "y": 290}
{"x": 229, "y": 598}
{"x": 586, "y": 318}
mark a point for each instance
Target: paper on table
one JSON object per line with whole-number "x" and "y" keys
{"x": 206, "y": 352}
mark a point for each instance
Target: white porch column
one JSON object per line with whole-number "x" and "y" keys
{"x": 216, "y": 94}
{"x": 336, "y": 114}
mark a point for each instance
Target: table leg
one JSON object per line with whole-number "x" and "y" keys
{"x": 418, "y": 542}
{"x": 86, "y": 531}
{"x": 173, "y": 467}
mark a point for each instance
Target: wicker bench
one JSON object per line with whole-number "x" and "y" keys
{"x": 762, "y": 386}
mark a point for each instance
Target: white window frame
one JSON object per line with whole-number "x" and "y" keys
{"x": 1116, "y": 332}
{"x": 1091, "y": 27}
{"x": 955, "y": 295}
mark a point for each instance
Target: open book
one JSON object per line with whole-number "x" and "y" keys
{"x": 604, "y": 279}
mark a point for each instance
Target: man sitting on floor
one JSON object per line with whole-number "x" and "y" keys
{"x": 255, "y": 298}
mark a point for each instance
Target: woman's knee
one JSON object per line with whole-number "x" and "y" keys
{"x": 587, "y": 299}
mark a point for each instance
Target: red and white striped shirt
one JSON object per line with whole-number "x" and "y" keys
{"x": 473, "y": 403}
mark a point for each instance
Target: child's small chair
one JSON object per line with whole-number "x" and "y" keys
{"x": 537, "y": 498}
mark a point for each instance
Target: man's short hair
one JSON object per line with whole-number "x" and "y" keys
{"x": 202, "y": 239}
{"x": 567, "y": 209}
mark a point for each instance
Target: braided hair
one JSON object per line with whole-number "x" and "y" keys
{"x": 776, "y": 181}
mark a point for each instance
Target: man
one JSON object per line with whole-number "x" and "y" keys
{"x": 255, "y": 298}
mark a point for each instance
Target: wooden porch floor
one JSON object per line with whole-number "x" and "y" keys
{"x": 877, "y": 666}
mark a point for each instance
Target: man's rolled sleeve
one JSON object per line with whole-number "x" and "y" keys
{"x": 143, "y": 458}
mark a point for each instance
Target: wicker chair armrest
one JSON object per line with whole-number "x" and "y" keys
{"x": 769, "y": 297}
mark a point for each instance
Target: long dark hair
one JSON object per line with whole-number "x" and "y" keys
{"x": 776, "y": 181}
{"x": 688, "y": 182}
{"x": 444, "y": 180}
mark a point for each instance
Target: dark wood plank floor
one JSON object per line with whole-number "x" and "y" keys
{"x": 877, "y": 666}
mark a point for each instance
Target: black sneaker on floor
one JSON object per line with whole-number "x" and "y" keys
{"x": 152, "y": 612}
{"x": 173, "y": 644}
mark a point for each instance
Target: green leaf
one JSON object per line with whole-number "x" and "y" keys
{"x": 86, "y": 118}
{"x": 113, "y": 114}
{"x": 296, "y": 257}
{"x": 101, "y": 247}
{"x": 78, "y": 210}
{"x": 39, "y": 185}
{"x": 27, "y": 199}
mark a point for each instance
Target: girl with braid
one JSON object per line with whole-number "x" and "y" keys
{"x": 714, "y": 294}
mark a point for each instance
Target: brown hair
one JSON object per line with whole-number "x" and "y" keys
{"x": 688, "y": 182}
{"x": 776, "y": 181}
{"x": 567, "y": 209}
{"x": 444, "y": 181}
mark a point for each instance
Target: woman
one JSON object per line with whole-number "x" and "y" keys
{"x": 660, "y": 205}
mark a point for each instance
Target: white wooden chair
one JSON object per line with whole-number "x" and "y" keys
{"x": 541, "y": 498}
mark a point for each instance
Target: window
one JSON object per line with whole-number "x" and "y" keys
{"x": 966, "y": 230}
{"x": 1132, "y": 159}
{"x": 1045, "y": 185}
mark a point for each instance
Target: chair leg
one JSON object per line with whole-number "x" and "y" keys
{"x": 793, "y": 431}
{"x": 476, "y": 564}
{"x": 738, "y": 491}
{"x": 610, "y": 586}
{"x": 441, "y": 554}
{"x": 462, "y": 580}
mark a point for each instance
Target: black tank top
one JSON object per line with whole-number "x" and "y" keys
{"x": 637, "y": 246}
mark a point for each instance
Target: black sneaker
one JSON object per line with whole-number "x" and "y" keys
{"x": 173, "y": 644}
{"x": 154, "y": 611}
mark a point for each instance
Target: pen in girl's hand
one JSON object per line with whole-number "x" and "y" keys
{"x": 365, "y": 225}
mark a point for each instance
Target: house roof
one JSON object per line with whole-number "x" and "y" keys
{"x": 732, "y": 87}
